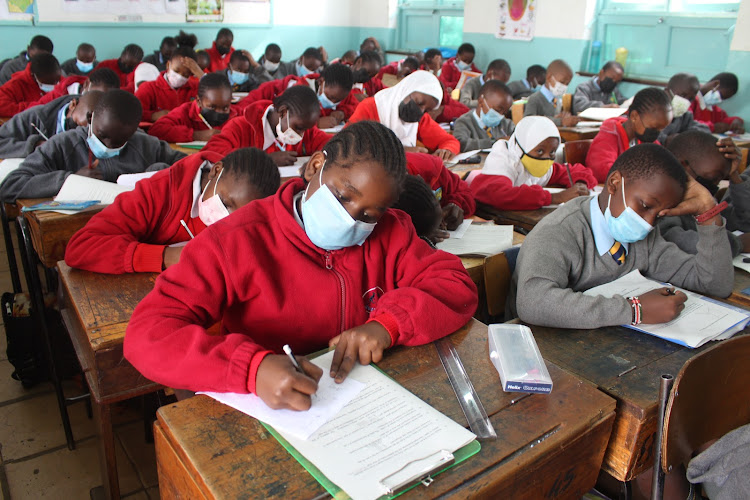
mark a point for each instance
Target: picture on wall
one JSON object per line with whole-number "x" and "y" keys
{"x": 516, "y": 19}
{"x": 205, "y": 10}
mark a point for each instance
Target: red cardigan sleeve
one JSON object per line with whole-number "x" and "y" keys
{"x": 237, "y": 133}
{"x": 174, "y": 126}
{"x": 147, "y": 95}
{"x": 434, "y": 137}
{"x": 449, "y": 75}
{"x": 348, "y": 106}
{"x": 456, "y": 191}
{"x": 602, "y": 154}
{"x": 14, "y": 98}
{"x": 578, "y": 172}
{"x": 499, "y": 192}
{"x": 366, "y": 110}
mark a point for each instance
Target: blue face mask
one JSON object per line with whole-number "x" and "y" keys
{"x": 302, "y": 69}
{"x": 325, "y": 102}
{"x": 84, "y": 67}
{"x": 462, "y": 65}
{"x": 237, "y": 78}
{"x": 97, "y": 147}
{"x": 45, "y": 87}
{"x": 491, "y": 118}
{"x": 629, "y": 227}
{"x": 327, "y": 223}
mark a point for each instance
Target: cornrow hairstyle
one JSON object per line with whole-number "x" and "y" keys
{"x": 313, "y": 52}
{"x": 419, "y": 201}
{"x": 168, "y": 41}
{"x": 369, "y": 56}
{"x": 536, "y": 70}
{"x": 213, "y": 81}
{"x": 694, "y": 147}
{"x": 368, "y": 140}
{"x": 338, "y": 75}
{"x": 105, "y": 77}
{"x": 44, "y": 64}
{"x": 728, "y": 81}
{"x": 238, "y": 56}
{"x": 649, "y": 99}
{"x": 465, "y": 48}
{"x": 185, "y": 51}
{"x": 498, "y": 66}
{"x": 645, "y": 161}
{"x": 301, "y": 100}
{"x": 255, "y": 167}
{"x": 494, "y": 86}
{"x": 612, "y": 64}
{"x": 41, "y": 42}
{"x": 224, "y": 32}
{"x": 133, "y": 50}
{"x": 123, "y": 105}
{"x": 432, "y": 53}
{"x": 411, "y": 62}
{"x": 186, "y": 39}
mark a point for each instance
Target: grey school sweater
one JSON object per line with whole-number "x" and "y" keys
{"x": 43, "y": 172}
{"x": 519, "y": 90}
{"x": 18, "y": 138}
{"x": 738, "y": 212}
{"x": 69, "y": 68}
{"x": 470, "y": 92}
{"x": 538, "y": 105}
{"x": 14, "y": 65}
{"x": 588, "y": 95}
{"x": 559, "y": 260}
{"x": 472, "y": 136}
{"x": 681, "y": 124}
{"x": 683, "y": 232}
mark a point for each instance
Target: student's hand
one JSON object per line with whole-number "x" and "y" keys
{"x": 720, "y": 128}
{"x": 443, "y": 154}
{"x": 327, "y": 122}
{"x": 697, "y": 200}
{"x": 745, "y": 240}
{"x": 729, "y": 149}
{"x": 359, "y": 96}
{"x": 253, "y": 62}
{"x": 324, "y": 54}
{"x": 339, "y": 115}
{"x": 92, "y": 171}
{"x": 737, "y": 126}
{"x": 171, "y": 256}
{"x": 437, "y": 236}
{"x": 570, "y": 193}
{"x": 284, "y": 158}
{"x": 193, "y": 67}
{"x": 415, "y": 149}
{"x": 279, "y": 385}
{"x": 568, "y": 120}
{"x": 364, "y": 343}
{"x": 155, "y": 116}
{"x": 453, "y": 216}
{"x": 204, "y": 135}
{"x": 660, "y": 306}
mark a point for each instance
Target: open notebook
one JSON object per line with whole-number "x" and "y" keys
{"x": 479, "y": 239}
{"x": 79, "y": 188}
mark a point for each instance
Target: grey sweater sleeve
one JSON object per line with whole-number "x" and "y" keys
{"x": 470, "y": 93}
{"x": 683, "y": 233}
{"x": 262, "y": 74}
{"x": 466, "y": 137}
{"x": 41, "y": 175}
{"x": 582, "y": 100}
{"x": 738, "y": 213}
{"x": 17, "y": 138}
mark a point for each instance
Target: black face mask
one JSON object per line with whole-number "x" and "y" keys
{"x": 361, "y": 76}
{"x": 607, "y": 85}
{"x": 124, "y": 68}
{"x": 648, "y": 135}
{"x": 712, "y": 188}
{"x": 222, "y": 50}
{"x": 213, "y": 117}
{"x": 410, "y": 112}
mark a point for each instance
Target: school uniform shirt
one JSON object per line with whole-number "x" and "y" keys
{"x": 473, "y": 134}
{"x": 159, "y": 95}
{"x": 520, "y": 89}
{"x": 452, "y": 109}
{"x": 447, "y": 186}
{"x": 127, "y": 80}
{"x": 470, "y": 91}
{"x": 44, "y": 171}
{"x": 13, "y": 66}
{"x": 680, "y": 124}
{"x": 18, "y": 137}
{"x": 709, "y": 115}
{"x": 218, "y": 61}
{"x": 590, "y": 95}
{"x": 369, "y": 88}
{"x": 568, "y": 253}
{"x": 543, "y": 103}
{"x": 252, "y": 129}
{"x": 609, "y": 143}
{"x": 180, "y": 123}
{"x": 157, "y": 60}
{"x": 130, "y": 235}
{"x": 258, "y": 273}
{"x": 450, "y": 74}
{"x": 69, "y": 85}
{"x": 70, "y": 68}
{"x": 21, "y": 92}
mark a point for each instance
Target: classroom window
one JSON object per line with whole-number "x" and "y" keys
{"x": 674, "y": 6}
{"x": 430, "y": 23}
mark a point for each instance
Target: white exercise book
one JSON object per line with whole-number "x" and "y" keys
{"x": 601, "y": 114}
{"x": 79, "y": 188}
{"x": 480, "y": 239}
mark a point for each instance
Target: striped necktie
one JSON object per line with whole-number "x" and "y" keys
{"x": 554, "y": 101}
{"x": 489, "y": 132}
{"x": 618, "y": 253}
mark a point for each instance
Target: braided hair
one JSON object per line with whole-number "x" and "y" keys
{"x": 645, "y": 161}
{"x": 133, "y": 50}
{"x": 254, "y": 166}
{"x": 418, "y": 200}
{"x": 213, "y": 81}
{"x": 104, "y": 77}
{"x": 649, "y": 99}
{"x": 301, "y": 100}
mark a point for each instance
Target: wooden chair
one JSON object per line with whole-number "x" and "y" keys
{"x": 567, "y": 104}
{"x": 516, "y": 111}
{"x": 576, "y": 151}
{"x": 708, "y": 399}
{"x": 497, "y": 278}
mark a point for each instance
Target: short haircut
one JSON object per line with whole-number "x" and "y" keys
{"x": 301, "y": 100}
{"x": 693, "y": 146}
{"x": 44, "y": 64}
{"x": 466, "y": 48}
{"x": 168, "y": 41}
{"x": 679, "y": 79}
{"x": 224, "y": 32}
{"x": 133, "y": 50}
{"x": 419, "y": 201}
{"x": 91, "y": 99}
{"x": 186, "y": 40}
{"x": 238, "y": 56}
{"x": 535, "y": 70}
{"x": 41, "y": 42}
{"x": 728, "y": 81}
{"x": 123, "y": 105}
{"x": 612, "y": 64}
{"x": 432, "y": 53}
{"x": 213, "y": 81}
{"x": 338, "y": 75}
{"x": 254, "y": 166}
{"x": 313, "y": 52}
{"x": 85, "y": 47}
{"x": 645, "y": 161}
{"x": 495, "y": 86}
{"x": 272, "y": 48}
{"x": 499, "y": 65}
{"x": 370, "y": 56}
{"x": 650, "y": 99}
{"x": 559, "y": 64}
{"x": 411, "y": 62}
{"x": 105, "y": 77}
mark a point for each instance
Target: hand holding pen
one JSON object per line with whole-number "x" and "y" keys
{"x": 285, "y": 381}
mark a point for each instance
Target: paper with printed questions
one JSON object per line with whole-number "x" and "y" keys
{"x": 460, "y": 231}
{"x": 480, "y": 239}
{"x": 80, "y": 188}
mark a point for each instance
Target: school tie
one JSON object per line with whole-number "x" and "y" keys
{"x": 618, "y": 253}
{"x": 554, "y": 101}
{"x": 489, "y": 132}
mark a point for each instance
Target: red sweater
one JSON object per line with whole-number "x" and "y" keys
{"x": 370, "y": 87}
{"x": 390, "y": 69}
{"x": 247, "y": 131}
{"x": 127, "y": 80}
{"x": 499, "y": 192}
{"x": 181, "y": 122}
{"x": 710, "y": 116}
{"x": 218, "y": 61}
{"x": 289, "y": 291}
{"x": 452, "y": 109}
{"x": 429, "y": 132}
{"x": 452, "y": 188}
{"x": 130, "y": 235}
{"x": 450, "y": 74}
{"x": 610, "y": 142}
{"x": 61, "y": 89}
{"x": 159, "y": 95}
{"x": 19, "y": 93}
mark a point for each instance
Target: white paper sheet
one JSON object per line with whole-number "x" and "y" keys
{"x": 738, "y": 262}
{"x": 8, "y": 165}
{"x": 286, "y": 172}
{"x": 460, "y": 230}
{"x": 130, "y": 180}
{"x": 462, "y": 156}
{"x": 480, "y": 239}
{"x": 588, "y": 124}
{"x": 192, "y": 143}
{"x": 79, "y": 188}
{"x": 326, "y": 403}
{"x": 601, "y": 114}
{"x": 701, "y": 320}
{"x": 301, "y": 160}
{"x": 334, "y": 130}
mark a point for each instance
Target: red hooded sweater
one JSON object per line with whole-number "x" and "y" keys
{"x": 218, "y": 61}
{"x": 711, "y": 116}
{"x": 181, "y": 122}
{"x": 19, "y": 93}
{"x": 452, "y": 188}
{"x": 370, "y": 87}
{"x": 450, "y": 74}
{"x": 159, "y": 95}
{"x": 247, "y": 131}
{"x": 260, "y": 275}
{"x": 127, "y": 80}
{"x": 130, "y": 235}
{"x": 610, "y": 142}
{"x": 61, "y": 89}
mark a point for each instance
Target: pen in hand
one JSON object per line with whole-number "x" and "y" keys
{"x": 290, "y": 354}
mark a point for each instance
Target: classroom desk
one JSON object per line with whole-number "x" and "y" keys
{"x": 741, "y": 282}
{"x": 577, "y": 133}
{"x": 187, "y": 151}
{"x": 96, "y": 309}
{"x": 625, "y": 365}
{"x": 475, "y": 265}
{"x": 525, "y": 219}
{"x": 548, "y": 446}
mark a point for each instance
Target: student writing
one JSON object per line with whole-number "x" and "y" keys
{"x": 103, "y": 79}
{"x": 40, "y": 44}
{"x": 451, "y": 71}
{"x": 365, "y": 71}
{"x": 27, "y": 86}
{"x": 221, "y": 50}
{"x": 419, "y": 201}
{"x": 244, "y": 72}
{"x": 548, "y": 101}
{"x": 481, "y": 127}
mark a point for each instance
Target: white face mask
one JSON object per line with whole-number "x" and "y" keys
{"x": 213, "y": 209}
{"x": 558, "y": 89}
{"x": 289, "y": 136}
{"x": 175, "y": 79}
{"x": 712, "y": 97}
{"x": 680, "y": 106}
{"x": 270, "y": 66}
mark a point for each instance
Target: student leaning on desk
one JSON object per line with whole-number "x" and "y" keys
{"x": 318, "y": 264}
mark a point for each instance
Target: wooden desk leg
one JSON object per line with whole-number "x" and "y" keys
{"x": 12, "y": 264}
{"x": 107, "y": 457}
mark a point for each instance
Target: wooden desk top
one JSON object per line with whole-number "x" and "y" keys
{"x": 525, "y": 219}
{"x": 741, "y": 282}
{"x": 475, "y": 265}
{"x": 577, "y": 133}
{"x": 227, "y": 454}
{"x": 461, "y": 169}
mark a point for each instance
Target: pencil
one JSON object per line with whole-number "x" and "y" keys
{"x": 205, "y": 121}
{"x": 190, "y": 233}
{"x": 570, "y": 177}
{"x": 40, "y": 132}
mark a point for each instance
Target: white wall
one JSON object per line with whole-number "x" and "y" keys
{"x": 349, "y": 13}
{"x": 569, "y": 19}
{"x": 741, "y": 38}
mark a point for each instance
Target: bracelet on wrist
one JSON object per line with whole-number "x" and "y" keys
{"x": 716, "y": 210}
{"x": 635, "y": 303}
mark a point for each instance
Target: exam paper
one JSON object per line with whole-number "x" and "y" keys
{"x": 8, "y": 165}
{"x": 130, "y": 180}
{"x": 738, "y": 262}
{"x": 601, "y": 114}
{"x": 334, "y": 130}
{"x": 462, "y": 156}
{"x": 80, "y": 188}
{"x": 702, "y": 319}
{"x": 459, "y": 232}
{"x": 326, "y": 403}
{"x": 480, "y": 239}
{"x": 291, "y": 171}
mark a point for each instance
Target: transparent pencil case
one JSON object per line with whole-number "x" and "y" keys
{"x": 517, "y": 359}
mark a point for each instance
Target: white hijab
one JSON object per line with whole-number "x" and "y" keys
{"x": 388, "y": 100}
{"x": 529, "y": 132}
{"x": 145, "y": 72}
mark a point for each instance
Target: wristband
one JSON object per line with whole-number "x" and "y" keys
{"x": 716, "y": 210}
{"x": 636, "y": 305}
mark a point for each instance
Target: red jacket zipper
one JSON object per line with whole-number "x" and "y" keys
{"x": 329, "y": 266}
